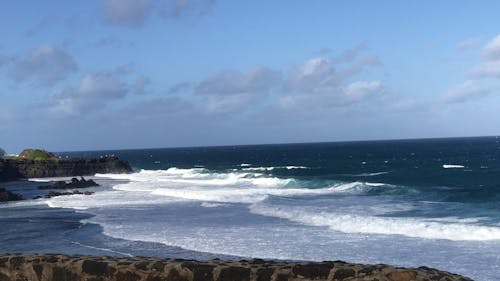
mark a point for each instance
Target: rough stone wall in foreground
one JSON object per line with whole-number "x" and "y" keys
{"x": 71, "y": 268}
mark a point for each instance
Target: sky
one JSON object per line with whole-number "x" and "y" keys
{"x": 123, "y": 74}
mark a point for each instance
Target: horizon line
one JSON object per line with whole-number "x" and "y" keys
{"x": 284, "y": 143}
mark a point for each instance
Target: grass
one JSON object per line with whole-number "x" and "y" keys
{"x": 37, "y": 154}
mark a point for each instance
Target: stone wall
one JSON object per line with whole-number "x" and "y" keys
{"x": 71, "y": 268}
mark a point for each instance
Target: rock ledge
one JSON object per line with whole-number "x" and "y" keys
{"x": 47, "y": 267}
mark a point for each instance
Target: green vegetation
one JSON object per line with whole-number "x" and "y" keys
{"x": 37, "y": 154}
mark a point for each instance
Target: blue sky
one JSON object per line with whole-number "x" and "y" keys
{"x": 110, "y": 74}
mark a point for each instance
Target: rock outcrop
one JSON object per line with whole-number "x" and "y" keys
{"x": 21, "y": 168}
{"x": 74, "y": 183}
{"x": 6, "y": 195}
{"x": 56, "y": 194}
{"x": 86, "y": 268}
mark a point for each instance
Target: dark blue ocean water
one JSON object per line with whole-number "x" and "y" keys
{"x": 432, "y": 202}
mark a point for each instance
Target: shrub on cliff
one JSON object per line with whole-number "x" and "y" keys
{"x": 37, "y": 154}
{"x": 2, "y": 152}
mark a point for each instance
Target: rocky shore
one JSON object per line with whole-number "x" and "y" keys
{"x": 19, "y": 168}
{"x": 47, "y": 267}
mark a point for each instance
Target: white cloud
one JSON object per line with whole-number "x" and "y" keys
{"x": 45, "y": 65}
{"x": 492, "y": 49}
{"x": 258, "y": 80}
{"x": 127, "y": 13}
{"x": 314, "y": 74}
{"x": 317, "y": 82}
{"x": 134, "y": 13}
{"x": 180, "y": 87}
{"x": 327, "y": 82}
{"x": 340, "y": 96}
{"x": 323, "y": 74}
{"x": 187, "y": 8}
{"x": 487, "y": 69}
{"x": 359, "y": 90}
{"x": 93, "y": 93}
{"x": 234, "y": 90}
{"x": 157, "y": 107}
{"x": 228, "y": 104}
{"x": 490, "y": 65}
{"x": 141, "y": 84}
{"x": 469, "y": 90}
{"x": 468, "y": 44}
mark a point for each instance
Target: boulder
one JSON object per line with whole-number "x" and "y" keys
{"x": 56, "y": 193}
{"x": 74, "y": 183}
{"x": 6, "y": 195}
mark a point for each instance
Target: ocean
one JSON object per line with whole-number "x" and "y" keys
{"x": 429, "y": 202}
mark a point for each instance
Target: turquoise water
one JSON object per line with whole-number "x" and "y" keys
{"x": 409, "y": 203}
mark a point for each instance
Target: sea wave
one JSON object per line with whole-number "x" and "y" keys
{"x": 370, "y": 174}
{"x": 172, "y": 185}
{"x": 453, "y": 166}
{"x": 365, "y": 224}
{"x": 156, "y": 187}
{"x": 271, "y": 168}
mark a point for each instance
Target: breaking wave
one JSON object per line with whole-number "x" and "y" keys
{"x": 410, "y": 227}
{"x": 214, "y": 190}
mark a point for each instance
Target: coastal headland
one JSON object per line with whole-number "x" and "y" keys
{"x": 47, "y": 267}
{"x": 32, "y": 163}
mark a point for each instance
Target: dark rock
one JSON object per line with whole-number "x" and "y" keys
{"x": 344, "y": 273}
{"x": 282, "y": 277}
{"x": 159, "y": 278}
{"x": 127, "y": 276}
{"x": 264, "y": 274}
{"x": 313, "y": 270}
{"x": 16, "y": 262}
{"x": 202, "y": 272}
{"x": 4, "y": 277}
{"x": 174, "y": 275}
{"x": 234, "y": 274}
{"x": 142, "y": 265}
{"x": 23, "y": 168}
{"x": 95, "y": 267}
{"x": 3, "y": 261}
{"x": 368, "y": 269}
{"x": 6, "y": 195}
{"x": 38, "y": 270}
{"x": 63, "y": 274}
{"x": 49, "y": 259}
{"x": 158, "y": 266}
{"x": 55, "y": 194}
{"x": 74, "y": 183}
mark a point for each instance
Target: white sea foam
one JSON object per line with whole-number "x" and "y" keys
{"x": 216, "y": 189}
{"x": 211, "y": 205}
{"x": 353, "y": 223}
{"x": 274, "y": 168}
{"x": 452, "y": 166}
{"x": 371, "y": 174}
{"x": 295, "y": 167}
{"x": 163, "y": 186}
